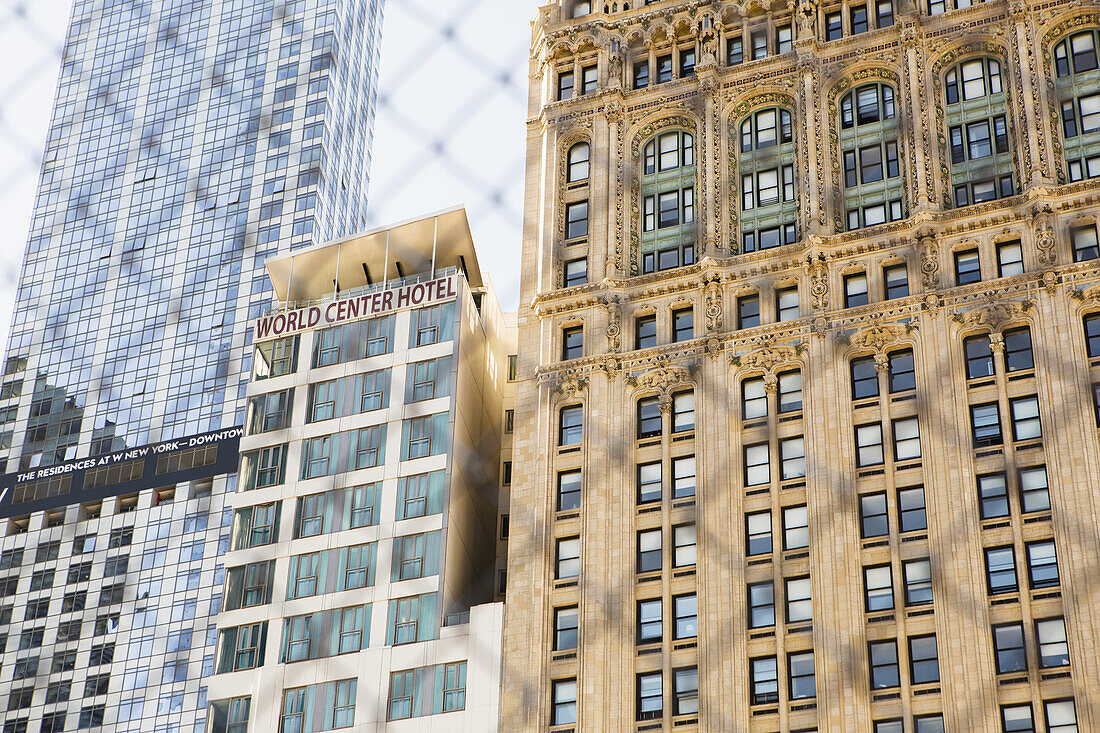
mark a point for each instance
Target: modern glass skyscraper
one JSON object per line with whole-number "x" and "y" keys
{"x": 191, "y": 139}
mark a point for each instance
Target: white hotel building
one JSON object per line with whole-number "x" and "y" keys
{"x": 362, "y": 573}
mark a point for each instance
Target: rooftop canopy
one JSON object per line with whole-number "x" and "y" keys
{"x": 415, "y": 247}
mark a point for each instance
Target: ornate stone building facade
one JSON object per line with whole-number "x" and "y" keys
{"x": 806, "y": 411}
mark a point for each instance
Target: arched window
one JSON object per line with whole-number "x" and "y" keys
{"x": 1078, "y": 88}
{"x": 668, "y": 201}
{"x": 871, "y": 156}
{"x": 579, "y": 156}
{"x": 977, "y": 128}
{"x": 766, "y": 163}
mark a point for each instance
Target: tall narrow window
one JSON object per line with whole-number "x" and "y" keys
{"x": 874, "y": 189}
{"x": 668, "y": 202}
{"x": 978, "y": 132}
{"x": 1076, "y": 82}
{"x": 768, "y": 184}
{"x": 579, "y": 156}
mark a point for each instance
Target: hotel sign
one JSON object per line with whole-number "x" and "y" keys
{"x": 354, "y": 309}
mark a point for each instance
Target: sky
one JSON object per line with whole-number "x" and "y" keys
{"x": 449, "y": 128}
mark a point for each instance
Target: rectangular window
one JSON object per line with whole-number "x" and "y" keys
{"x": 566, "y": 621}
{"x": 568, "y": 558}
{"x": 967, "y": 267}
{"x": 1000, "y": 570}
{"x": 1018, "y": 354}
{"x": 569, "y": 491}
{"x": 641, "y": 74}
{"x": 682, "y": 325}
{"x": 902, "y": 375}
{"x": 1034, "y": 494}
{"x": 1017, "y": 719}
{"x": 878, "y": 589}
{"x": 834, "y": 26}
{"x": 1042, "y": 565}
{"x": 1009, "y": 652}
{"x": 687, "y": 63}
{"x": 664, "y": 69}
{"x": 761, "y": 605}
{"x": 757, "y": 464}
{"x": 649, "y": 482}
{"x": 764, "y": 681}
{"x": 572, "y": 343}
{"x": 993, "y": 495}
{"x": 564, "y": 702}
{"x": 570, "y": 425}
{"x": 792, "y": 458}
{"x": 1053, "y": 647}
{"x": 864, "y": 378}
{"x": 645, "y": 332}
{"x": 576, "y": 272}
{"x": 589, "y": 80}
{"x": 985, "y": 424}
{"x": 1061, "y": 716}
{"x": 786, "y": 304}
{"x": 685, "y": 691}
{"x": 884, "y": 664}
{"x": 869, "y": 445}
{"x": 1010, "y": 259}
{"x": 911, "y": 515}
{"x": 683, "y": 477}
{"x": 685, "y": 617}
{"x": 906, "y": 439}
{"x": 800, "y": 673}
{"x": 799, "y": 604}
{"x": 748, "y": 311}
{"x": 758, "y": 533}
{"x": 855, "y": 290}
{"x": 683, "y": 411}
{"x": 649, "y": 620}
{"x": 649, "y": 550}
{"x": 754, "y": 399}
{"x": 979, "y": 357}
{"x": 790, "y": 391}
{"x": 924, "y": 667}
{"x": 897, "y": 281}
{"x": 858, "y": 17}
{"x": 650, "y": 696}
{"x": 649, "y": 417}
{"x": 759, "y": 45}
{"x": 734, "y": 50}
{"x": 796, "y": 528}
{"x": 918, "y": 582}
{"x": 565, "y": 85}
{"x": 683, "y": 545}
{"x": 1025, "y": 418}
{"x": 576, "y": 220}
{"x": 874, "y": 521}
{"x": 1085, "y": 244}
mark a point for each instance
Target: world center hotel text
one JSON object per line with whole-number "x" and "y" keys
{"x": 351, "y": 309}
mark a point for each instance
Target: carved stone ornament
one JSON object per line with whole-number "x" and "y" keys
{"x": 805, "y": 15}
{"x": 819, "y": 281}
{"x": 768, "y": 357}
{"x": 1051, "y": 281}
{"x": 877, "y": 337}
{"x": 1044, "y": 234}
{"x": 713, "y": 302}
{"x": 614, "y": 322}
{"x": 663, "y": 379}
{"x": 995, "y": 314}
{"x": 567, "y": 385}
{"x": 929, "y": 261}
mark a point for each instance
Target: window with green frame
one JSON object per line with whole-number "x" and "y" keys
{"x": 668, "y": 202}
{"x": 769, "y": 202}
{"x": 977, "y": 132}
{"x": 870, "y": 156}
{"x": 1077, "y": 85}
